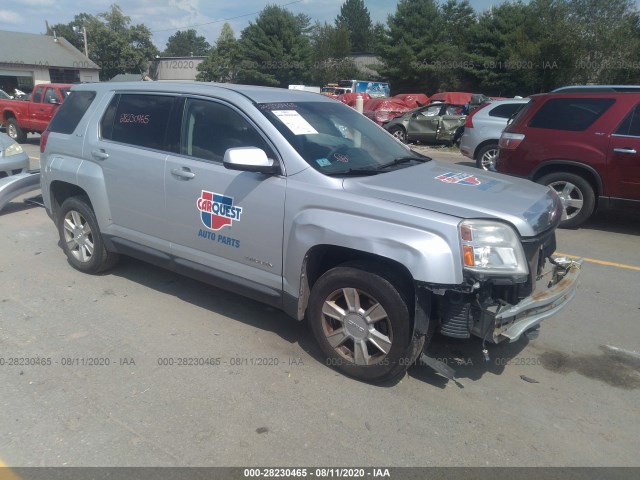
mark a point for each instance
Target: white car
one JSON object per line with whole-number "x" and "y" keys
{"x": 483, "y": 128}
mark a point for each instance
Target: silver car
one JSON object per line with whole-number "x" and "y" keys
{"x": 13, "y": 159}
{"x": 483, "y": 128}
{"x": 302, "y": 203}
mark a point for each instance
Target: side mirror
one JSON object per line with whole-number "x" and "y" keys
{"x": 249, "y": 159}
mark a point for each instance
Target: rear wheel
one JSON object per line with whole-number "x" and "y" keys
{"x": 81, "y": 238}
{"x": 486, "y": 157}
{"x": 399, "y": 133}
{"x": 15, "y": 132}
{"x": 577, "y": 196}
{"x": 362, "y": 324}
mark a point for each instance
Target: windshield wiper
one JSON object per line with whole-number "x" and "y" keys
{"x": 401, "y": 160}
{"x": 354, "y": 172}
{"x": 378, "y": 168}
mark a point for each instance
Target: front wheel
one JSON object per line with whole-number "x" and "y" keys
{"x": 80, "y": 237}
{"x": 362, "y": 324}
{"x": 577, "y": 196}
{"x": 399, "y": 133}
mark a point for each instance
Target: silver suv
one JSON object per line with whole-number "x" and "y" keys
{"x": 300, "y": 202}
{"x": 483, "y": 128}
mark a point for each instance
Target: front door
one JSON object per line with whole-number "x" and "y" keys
{"x": 226, "y": 220}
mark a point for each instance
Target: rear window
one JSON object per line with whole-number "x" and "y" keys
{"x": 571, "y": 114}
{"x": 71, "y": 112}
{"x": 506, "y": 110}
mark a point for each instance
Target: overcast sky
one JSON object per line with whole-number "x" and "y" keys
{"x": 164, "y": 17}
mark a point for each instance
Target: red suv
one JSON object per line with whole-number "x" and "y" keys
{"x": 586, "y": 146}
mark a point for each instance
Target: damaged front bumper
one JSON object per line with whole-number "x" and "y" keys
{"x": 511, "y": 321}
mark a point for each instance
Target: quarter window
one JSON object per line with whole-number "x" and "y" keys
{"x": 37, "y": 95}
{"x": 71, "y": 112}
{"x": 506, "y": 110}
{"x": 210, "y": 128}
{"x": 138, "y": 119}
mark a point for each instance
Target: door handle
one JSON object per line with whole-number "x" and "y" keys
{"x": 183, "y": 173}
{"x": 631, "y": 151}
{"x": 99, "y": 154}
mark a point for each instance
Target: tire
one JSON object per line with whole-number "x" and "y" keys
{"x": 577, "y": 195}
{"x": 399, "y": 133}
{"x": 457, "y": 137}
{"x": 362, "y": 324}
{"x": 80, "y": 237}
{"x": 15, "y": 132}
{"x": 486, "y": 157}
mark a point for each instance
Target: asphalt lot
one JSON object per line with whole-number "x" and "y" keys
{"x": 104, "y": 394}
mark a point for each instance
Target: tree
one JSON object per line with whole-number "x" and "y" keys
{"x": 275, "y": 49}
{"x": 187, "y": 43}
{"x": 601, "y": 29}
{"x": 409, "y": 53}
{"x": 354, "y": 15}
{"x": 114, "y": 44}
{"x": 223, "y": 61}
{"x": 330, "y": 57}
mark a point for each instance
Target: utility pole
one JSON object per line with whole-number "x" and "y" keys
{"x": 84, "y": 34}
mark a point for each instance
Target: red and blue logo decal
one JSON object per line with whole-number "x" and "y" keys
{"x": 217, "y": 211}
{"x": 459, "y": 178}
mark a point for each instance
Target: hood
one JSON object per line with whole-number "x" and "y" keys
{"x": 466, "y": 192}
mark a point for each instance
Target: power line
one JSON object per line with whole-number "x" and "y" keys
{"x": 218, "y": 21}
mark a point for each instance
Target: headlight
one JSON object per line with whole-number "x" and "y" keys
{"x": 492, "y": 248}
{"x": 13, "y": 149}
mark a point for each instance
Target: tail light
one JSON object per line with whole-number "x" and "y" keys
{"x": 510, "y": 141}
{"x": 43, "y": 140}
{"x": 469, "y": 121}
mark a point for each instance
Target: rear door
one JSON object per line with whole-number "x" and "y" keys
{"x": 624, "y": 158}
{"x": 131, "y": 148}
{"x": 227, "y": 221}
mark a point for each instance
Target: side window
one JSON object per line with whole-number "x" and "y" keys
{"x": 71, "y": 112}
{"x": 37, "y": 95}
{"x": 50, "y": 94}
{"x": 505, "y": 110}
{"x": 431, "y": 111}
{"x": 138, "y": 119}
{"x": 630, "y": 127}
{"x": 571, "y": 114}
{"x": 210, "y": 128}
{"x": 454, "y": 110}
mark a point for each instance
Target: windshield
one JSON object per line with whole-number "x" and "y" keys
{"x": 335, "y": 139}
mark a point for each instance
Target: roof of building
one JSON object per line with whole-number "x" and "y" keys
{"x": 127, "y": 77}
{"x": 41, "y": 50}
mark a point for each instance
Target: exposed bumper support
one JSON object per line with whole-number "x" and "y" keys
{"x": 512, "y": 321}
{"x": 12, "y": 186}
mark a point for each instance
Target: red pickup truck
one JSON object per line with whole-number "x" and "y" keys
{"x": 23, "y": 116}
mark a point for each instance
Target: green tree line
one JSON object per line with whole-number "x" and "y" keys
{"x": 515, "y": 48}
